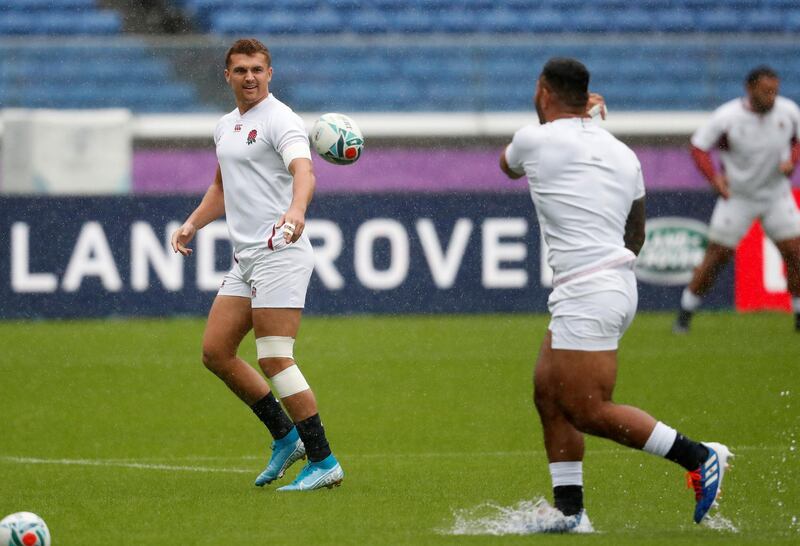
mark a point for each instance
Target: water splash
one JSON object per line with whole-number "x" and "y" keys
{"x": 524, "y": 518}
{"x": 718, "y": 522}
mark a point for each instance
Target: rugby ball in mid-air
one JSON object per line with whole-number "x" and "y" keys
{"x": 337, "y": 139}
{"x": 24, "y": 528}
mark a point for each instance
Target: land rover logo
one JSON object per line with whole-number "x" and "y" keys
{"x": 673, "y": 247}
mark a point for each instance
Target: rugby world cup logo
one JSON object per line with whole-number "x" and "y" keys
{"x": 673, "y": 247}
{"x": 251, "y": 136}
{"x": 347, "y": 147}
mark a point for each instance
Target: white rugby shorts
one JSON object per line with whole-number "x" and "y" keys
{"x": 271, "y": 278}
{"x": 591, "y": 313}
{"x": 733, "y": 217}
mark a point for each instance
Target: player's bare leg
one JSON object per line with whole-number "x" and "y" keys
{"x": 276, "y": 330}
{"x": 584, "y": 384}
{"x": 704, "y": 277}
{"x": 790, "y": 251}
{"x": 562, "y": 441}
{"x": 228, "y": 322}
{"x": 284, "y": 323}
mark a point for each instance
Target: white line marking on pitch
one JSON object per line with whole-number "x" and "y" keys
{"x": 132, "y": 463}
{"x": 144, "y": 466}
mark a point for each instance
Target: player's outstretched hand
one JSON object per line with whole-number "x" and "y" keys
{"x": 787, "y": 167}
{"x": 293, "y": 222}
{"x": 720, "y": 184}
{"x": 181, "y": 238}
{"x": 596, "y": 106}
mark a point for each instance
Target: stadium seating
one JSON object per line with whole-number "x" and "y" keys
{"x": 500, "y": 75}
{"x": 87, "y": 76}
{"x": 507, "y": 16}
{"x": 407, "y": 55}
{"x": 56, "y": 17}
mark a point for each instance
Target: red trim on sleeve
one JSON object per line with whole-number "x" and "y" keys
{"x": 703, "y": 161}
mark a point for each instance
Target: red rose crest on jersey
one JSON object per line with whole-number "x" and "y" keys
{"x": 251, "y": 136}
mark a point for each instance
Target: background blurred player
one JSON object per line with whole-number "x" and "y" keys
{"x": 758, "y": 137}
{"x": 589, "y": 195}
{"x": 264, "y": 183}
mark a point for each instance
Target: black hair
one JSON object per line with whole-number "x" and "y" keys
{"x": 569, "y": 79}
{"x": 759, "y": 72}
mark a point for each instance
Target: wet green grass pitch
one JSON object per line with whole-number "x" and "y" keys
{"x": 115, "y": 433}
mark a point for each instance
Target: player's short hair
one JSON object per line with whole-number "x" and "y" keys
{"x": 569, "y": 79}
{"x": 247, "y": 46}
{"x": 759, "y": 72}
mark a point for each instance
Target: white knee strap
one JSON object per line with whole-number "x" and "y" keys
{"x": 275, "y": 346}
{"x": 288, "y": 382}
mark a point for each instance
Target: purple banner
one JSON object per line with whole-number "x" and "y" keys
{"x": 399, "y": 170}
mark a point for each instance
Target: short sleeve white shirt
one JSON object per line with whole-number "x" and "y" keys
{"x": 582, "y": 181}
{"x": 752, "y": 145}
{"x": 252, "y": 149}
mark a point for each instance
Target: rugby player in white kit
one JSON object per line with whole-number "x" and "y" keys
{"x": 263, "y": 185}
{"x": 759, "y": 141}
{"x": 588, "y": 191}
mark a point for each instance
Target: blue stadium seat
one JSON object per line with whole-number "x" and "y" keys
{"x": 544, "y": 20}
{"x": 29, "y": 5}
{"x": 457, "y": 20}
{"x": 505, "y": 95}
{"x": 60, "y": 22}
{"x": 631, "y": 20}
{"x": 411, "y": 21}
{"x": 792, "y": 21}
{"x": 369, "y": 21}
{"x": 505, "y": 16}
{"x": 588, "y": 20}
{"x": 718, "y": 20}
{"x": 449, "y": 96}
{"x": 760, "y": 20}
{"x": 446, "y": 68}
{"x": 248, "y": 22}
{"x": 674, "y": 20}
{"x": 502, "y": 20}
{"x": 85, "y": 75}
{"x": 429, "y": 70}
{"x": 68, "y": 71}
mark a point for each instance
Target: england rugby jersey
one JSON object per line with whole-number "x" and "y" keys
{"x": 752, "y": 146}
{"x": 256, "y": 182}
{"x": 583, "y": 182}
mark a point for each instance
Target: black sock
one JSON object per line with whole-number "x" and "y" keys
{"x": 685, "y": 317}
{"x": 269, "y": 410}
{"x": 313, "y": 435}
{"x": 687, "y": 453}
{"x": 568, "y": 499}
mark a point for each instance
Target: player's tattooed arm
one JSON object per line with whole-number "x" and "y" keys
{"x": 634, "y": 227}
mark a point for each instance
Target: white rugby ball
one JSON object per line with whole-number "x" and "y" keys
{"x": 24, "y": 528}
{"x": 337, "y": 139}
